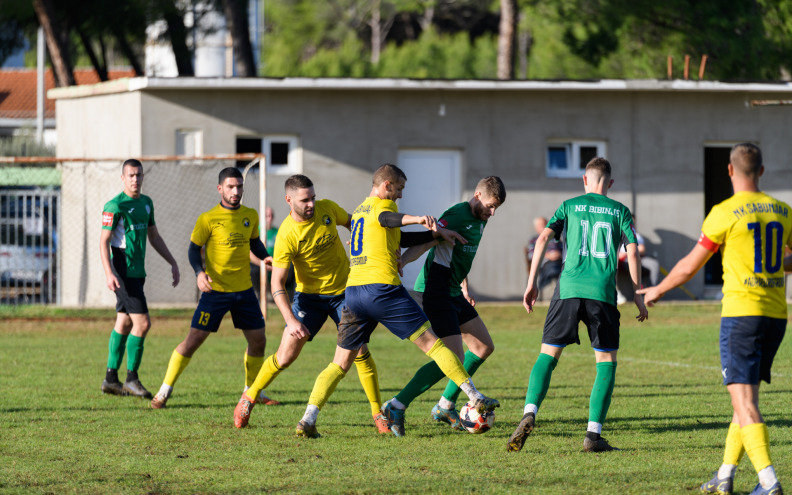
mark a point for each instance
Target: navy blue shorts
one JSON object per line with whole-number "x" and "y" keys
{"x": 367, "y": 305}
{"x": 446, "y": 313}
{"x": 313, "y": 309}
{"x": 564, "y": 315}
{"x": 748, "y": 345}
{"x": 244, "y": 307}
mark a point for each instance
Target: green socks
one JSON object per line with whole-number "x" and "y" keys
{"x": 424, "y": 378}
{"x": 539, "y": 381}
{"x": 472, "y": 363}
{"x": 116, "y": 347}
{"x": 134, "y": 352}
{"x": 601, "y": 392}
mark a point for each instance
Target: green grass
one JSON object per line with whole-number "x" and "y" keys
{"x": 669, "y": 414}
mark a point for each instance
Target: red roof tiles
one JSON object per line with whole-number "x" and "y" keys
{"x": 18, "y": 90}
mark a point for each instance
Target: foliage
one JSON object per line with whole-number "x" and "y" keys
{"x": 669, "y": 415}
{"x": 24, "y": 144}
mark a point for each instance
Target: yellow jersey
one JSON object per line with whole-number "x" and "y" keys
{"x": 320, "y": 262}
{"x": 751, "y": 229}
{"x": 226, "y": 234}
{"x": 373, "y": 247}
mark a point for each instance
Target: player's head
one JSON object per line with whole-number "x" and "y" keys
{"x": 230, "y": 186}
{"x": 389, "y": 181}
{"x": 132, "y": 177}
{"x": 301, "y": 197}
{"x": 746, "y": 160}
{"x": 269, "y": 216}
{"x": 489, "y": 195}
{"x": 598, "y": 172}
{"x": 539, "y": 224}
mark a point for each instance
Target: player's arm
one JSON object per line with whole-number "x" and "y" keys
{"x": 788, "y": 263}
{"x": 202, "y": 279}
{"x": 348, "y": 223}
{"x": 158, "y": 243}
{"x": 104, "y": 255}
{"x": 414, "y": 252}
{"x": 464, "y": 286}
{"x": 258, "y": 249}
{"x": 634, "y": 265}
{"x": 531, "y": 290}
{"x": 682, "y": 272}
{"x": 294, "y": 327}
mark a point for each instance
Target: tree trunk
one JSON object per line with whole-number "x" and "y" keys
{"x": 57, "y": 42}
{"x": 128, "y": 52}
{"x": 101, "y": 70}
{"x": 178, "y": 36}
{"x": 376, "y": 32}
{"x": 507, "y": 38}
{"x": 237, "y": 22}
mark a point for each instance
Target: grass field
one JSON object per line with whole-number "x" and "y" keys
{"x": 669, "y": 414}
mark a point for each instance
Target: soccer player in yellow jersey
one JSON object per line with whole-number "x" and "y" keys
{"x": 750, "y": 229}
{"x": 230, "y": 232}
{"x": 374, "y": 294}
{"x": 309, "y": 239}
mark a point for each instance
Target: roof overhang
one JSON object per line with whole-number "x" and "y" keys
{"x": 126, "y": 85}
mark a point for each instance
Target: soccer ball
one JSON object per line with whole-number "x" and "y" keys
{"x": 475, "y": 422}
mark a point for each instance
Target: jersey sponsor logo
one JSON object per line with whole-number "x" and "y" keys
{"x": 765, "y": 283}
{"x": 358, "y": 260}
{"x": 467, "y": 248}
{"x": 138, "y": 226}
{"x": 326, "y": 219}
{"x": 235, "y": 239}
{"x": 107, "y": 219}
{"x": 324, "y": 242}
{"x": 362, "y": 209}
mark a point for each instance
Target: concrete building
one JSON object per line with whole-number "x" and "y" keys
{"x": 667, "y": 140}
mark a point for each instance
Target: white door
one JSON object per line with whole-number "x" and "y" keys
{"x": 433, "y": 184}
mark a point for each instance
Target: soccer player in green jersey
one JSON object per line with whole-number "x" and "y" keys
{"x": 230, "y": 232}
{"x": 750, "y": 229}
{"x": 441, "y": 288}
{"x": 308, "y": 239}
{"x": 127, "y": 220}
{"x": 595, "y": 226}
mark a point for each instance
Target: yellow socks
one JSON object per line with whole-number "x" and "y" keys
{"x": 734, "y": 446}
{"x": 252, "y": 367}
{"x": 448, "y": 362}
{"x": 176, "y": 365}
{"x": 367, "y": 372}
{"x": 325, "y": 385}
{"x": 756, "y": 440}
{"x": 266, "y": 374}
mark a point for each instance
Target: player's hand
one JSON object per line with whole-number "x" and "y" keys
{"x": 529, "y": 298}
{"x": 297, "y": 330}
{"x": 429, "y": 222}
{"x": 112, "y": 283}
{"x": 643, "y": 314}
{"x": 451, "y": 236}
{"x": 175, "y": 274}
{"x": 204, "y": 282}
{"x": 267, "y": 263}
{"x": 650, "y": 295}
{"x": 470, "y": 299}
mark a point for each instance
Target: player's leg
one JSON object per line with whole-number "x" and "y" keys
{"x": 115, "y": 355}
{"x": 141, "y": 322}
{"x": 560, "y": 330}
{"x": 212, "y": 306}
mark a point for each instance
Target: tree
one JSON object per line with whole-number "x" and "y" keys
{"x": 57, "y": 42}
{"x": 237, "y": 20}
{"x": 507, "y": 39}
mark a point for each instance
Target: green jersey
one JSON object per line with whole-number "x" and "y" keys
{"x": 129, "y": 219}
{"x": 459, "y": 257}
{"x": 594, "y": 226}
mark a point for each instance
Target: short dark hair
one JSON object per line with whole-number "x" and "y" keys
{"x": 746, "y": 158}
{"x": 599, "y": 165}
{"x": 229, "y": 172}
{"x": 132, "y": 162}
{"x": 493, "y": 187}
{"x": 297, "y": 181}
{"x": 389, "y": 172}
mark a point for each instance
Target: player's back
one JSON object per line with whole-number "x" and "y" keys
{"x": 373, "y": 247}
{"x": 752, "y": 229}
{"x": 594, "y": 226}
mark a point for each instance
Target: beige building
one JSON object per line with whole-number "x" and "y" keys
{"x": 667, "y": 140}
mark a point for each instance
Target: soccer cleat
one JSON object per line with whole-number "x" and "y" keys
{"x": 266, "y": 401}
{"x": 526, "y": 426}
{"x": 721, "y": 486}
{"x": 135, "y": 388}
{"x": 242, "y": 411}
{"x": 484, "y": 404}
{"x": 382, "y": 424}
{"x": 306, "y": 430}
{"x": 597, "y": 445}
{"x": 395, "y": 418}
{"x": 449, "y": 416}
{"x": 159, "y": 401}
{"x": 113, "y": 388}
{"x": 773, "y": 490}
